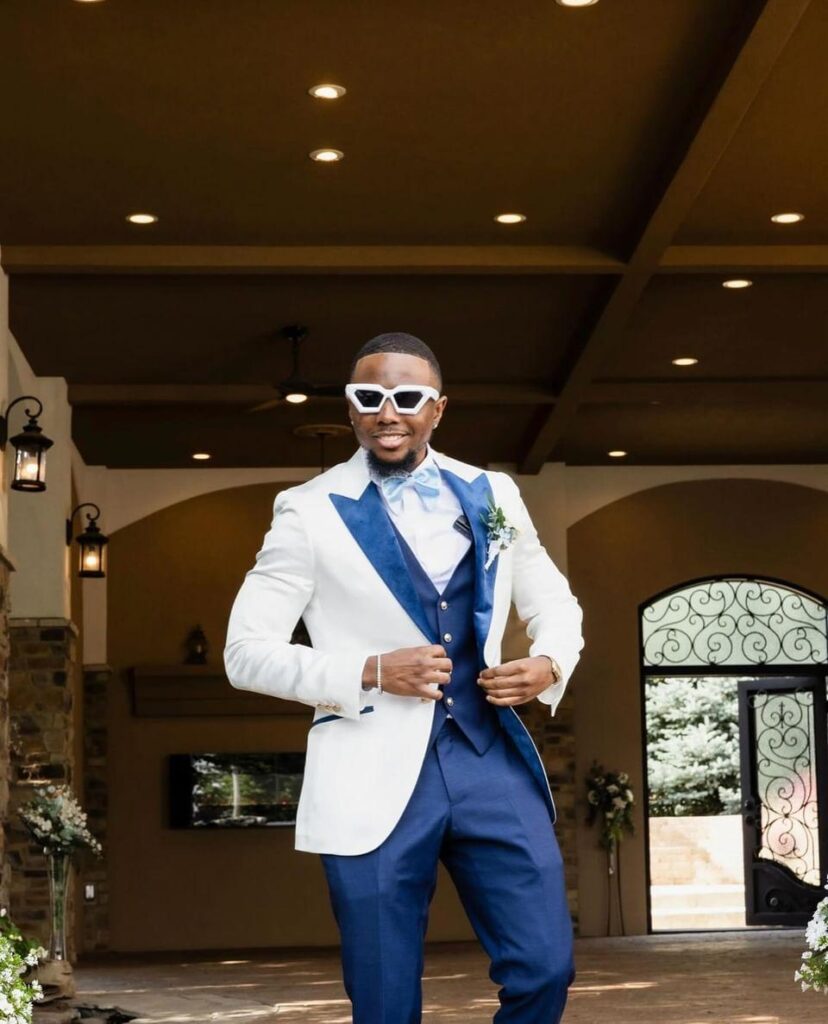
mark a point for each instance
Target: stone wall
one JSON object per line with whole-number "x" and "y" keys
{"x": 41, "y": 667}
{"x": 96, "y": 682}
{"x": 555, "y": 739}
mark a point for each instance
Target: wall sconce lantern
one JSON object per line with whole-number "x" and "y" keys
{"x": 30, "y": 449}
{"x": 91, "y": 544}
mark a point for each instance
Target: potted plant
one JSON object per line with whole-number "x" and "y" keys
{"x": 813, "y": 971}
{"x": 611, "y": 801}
{"x": 17, "y": 957}
{"x": 54, "y": 819}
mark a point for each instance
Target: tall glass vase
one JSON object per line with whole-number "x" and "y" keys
{"x": 60, "y": 863}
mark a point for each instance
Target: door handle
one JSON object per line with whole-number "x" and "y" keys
{"x": 749, "y": 810}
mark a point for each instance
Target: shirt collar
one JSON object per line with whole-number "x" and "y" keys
{"x": 428, "y": 460}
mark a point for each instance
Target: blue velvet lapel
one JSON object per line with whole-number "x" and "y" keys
{"x": 371, "y": 528}
{"x": 474, "y": 497}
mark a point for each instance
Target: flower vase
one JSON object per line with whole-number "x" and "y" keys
{"x": 59, "y": 863}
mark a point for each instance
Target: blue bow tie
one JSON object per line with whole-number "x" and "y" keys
{"x": 425, "y": 480}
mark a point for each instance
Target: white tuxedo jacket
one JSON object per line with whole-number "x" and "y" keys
{"x": 331, "y": 558}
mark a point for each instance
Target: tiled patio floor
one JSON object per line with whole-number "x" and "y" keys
{"x": 725, "y": 978}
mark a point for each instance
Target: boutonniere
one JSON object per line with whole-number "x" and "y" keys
{"x": 499, "y": 532}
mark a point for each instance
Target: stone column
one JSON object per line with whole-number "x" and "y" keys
{"x": 96, "y": 683}
{"x": 42, "y": 657}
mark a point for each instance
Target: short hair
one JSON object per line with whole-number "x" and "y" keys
{"x": 399, "y": 341}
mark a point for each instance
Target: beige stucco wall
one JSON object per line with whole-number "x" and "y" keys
{"x": 628, "y": 551}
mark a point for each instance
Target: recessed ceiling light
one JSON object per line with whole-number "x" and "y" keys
{"x": 326, "y": 156}
{"x": 142, "y": 218}
{"x": 296, "y": 397}
{"x": 327, "y": 91}
{"x": 787, "y": 218}
{"x": 685, "y": 361}
{"x": 736, "y": 283}
{"x": 88, "y": 1}
{"x": 616, "y": 453}
{"x": 510, "y": 218}
{"x": 202, "y": 455}
{"x": 576, "y": 3}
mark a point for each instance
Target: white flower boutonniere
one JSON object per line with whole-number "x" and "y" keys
{"x": 499, "y": 532}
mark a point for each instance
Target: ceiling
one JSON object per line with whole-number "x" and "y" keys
{"x": 647, "y": 143}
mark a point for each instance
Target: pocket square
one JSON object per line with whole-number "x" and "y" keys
{"x": 461, "y": 524}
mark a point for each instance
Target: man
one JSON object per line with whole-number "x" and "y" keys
{"x": 403, "y": 563}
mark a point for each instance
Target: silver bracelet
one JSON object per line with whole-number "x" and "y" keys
{"x": 379, "y": 673}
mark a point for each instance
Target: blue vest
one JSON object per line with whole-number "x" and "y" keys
{"x": 451, "y": 617}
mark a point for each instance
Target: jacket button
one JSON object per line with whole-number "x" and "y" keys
{"x": 447, "y": 637}
{"x": 444, "y": 605}
{"x": 450, "y": 701}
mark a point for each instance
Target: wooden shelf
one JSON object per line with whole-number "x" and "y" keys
{"x": 169, "y": 691}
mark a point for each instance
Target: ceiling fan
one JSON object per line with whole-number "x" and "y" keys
{"x": 294, "y": 388}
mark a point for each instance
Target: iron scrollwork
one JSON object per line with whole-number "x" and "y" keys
{"x": 735, "y": 621}
{"x": 786, "y": 782}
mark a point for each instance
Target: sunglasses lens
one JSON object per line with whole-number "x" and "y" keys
{"x": 368, "y": 398}
{"x": 408, "y": 399}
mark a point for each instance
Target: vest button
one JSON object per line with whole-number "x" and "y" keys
{"x": 450, "y": 701}
{"x": 444, "y": 605}
{"x": 447, "y": 637}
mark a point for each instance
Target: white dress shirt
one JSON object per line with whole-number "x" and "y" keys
{"x": 430, "y": 532}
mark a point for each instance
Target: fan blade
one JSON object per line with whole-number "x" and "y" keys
{"x": 270, "y": 404}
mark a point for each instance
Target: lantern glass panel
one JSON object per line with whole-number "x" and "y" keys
{"x": 91, "y": 558}
{"x": 30, "y": 465}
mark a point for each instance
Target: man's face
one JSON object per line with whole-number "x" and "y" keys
{"x": 396, "y": 438}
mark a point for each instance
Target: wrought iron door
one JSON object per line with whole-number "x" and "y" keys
{"x": 784, "y": 755}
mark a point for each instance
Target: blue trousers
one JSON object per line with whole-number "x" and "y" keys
{"x": 486, "y": 819}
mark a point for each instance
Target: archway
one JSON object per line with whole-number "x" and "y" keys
{"x": 735, "y": 753}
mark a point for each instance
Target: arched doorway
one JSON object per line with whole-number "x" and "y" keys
{"x": 736, "y": 754}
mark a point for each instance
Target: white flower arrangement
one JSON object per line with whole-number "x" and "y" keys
{"x": 17, "y": 955}
{"x": 54, "y": 818}
{"x": 611, "y": 803}
{"x": 499, "y": 532}
{"x": 813, "y": 971}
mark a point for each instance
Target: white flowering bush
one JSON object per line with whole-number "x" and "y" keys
{"x": 611, "y": 803}
{"x": 813, "y": 971}
{"x": 17, "y": 955}
{"x": 55, "y": 819}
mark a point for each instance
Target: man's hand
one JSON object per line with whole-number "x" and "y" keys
{"x": 517, "y": 682}
{"x": 411, "y": 671}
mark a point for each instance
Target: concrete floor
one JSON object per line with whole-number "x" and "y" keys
{"x": 724, "y": 978}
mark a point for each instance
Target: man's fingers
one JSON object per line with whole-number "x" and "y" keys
{"x": 497, "y": 695}
{"x": 508, "y": 701}
{"x": 434, "y": 651}
{"x": 499, "y": 682}
{"x": 508, "y": 668}
{"x": 439, "y": 677}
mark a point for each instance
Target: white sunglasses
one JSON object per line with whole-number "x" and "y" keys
{"x": 407, "y": 399}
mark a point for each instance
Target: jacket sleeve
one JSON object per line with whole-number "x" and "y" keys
{"x": 545, "y": 603}
{"x": 258, "y": 654}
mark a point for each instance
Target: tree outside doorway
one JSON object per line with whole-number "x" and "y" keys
{"x": 695, "y": 837}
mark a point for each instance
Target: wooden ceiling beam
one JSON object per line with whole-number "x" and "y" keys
{"x": 306, "y": 259}
{"x": 759, "y": 259}
{"x": 740, "y": 76}
{"x": 709, "y": 391}
{"x": 252, "y": 394}
{"x": 665, "y": 391}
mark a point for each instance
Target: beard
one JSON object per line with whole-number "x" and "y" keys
{"x": 383, "y": 468}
